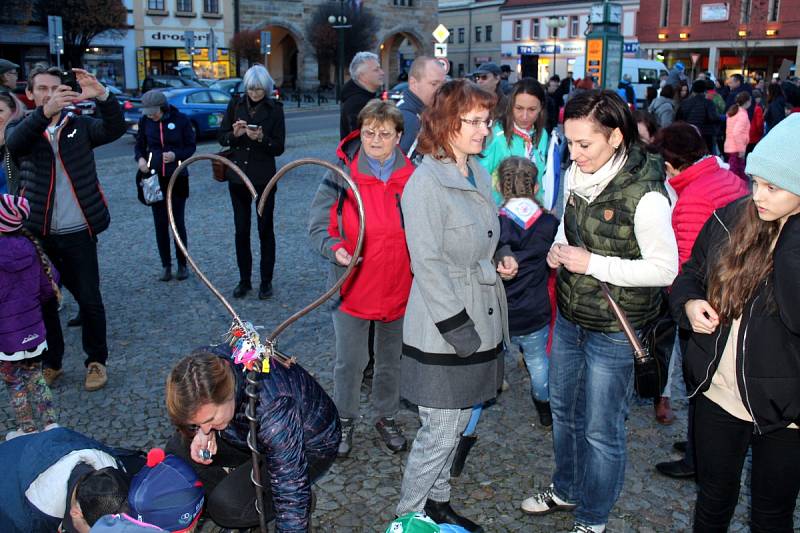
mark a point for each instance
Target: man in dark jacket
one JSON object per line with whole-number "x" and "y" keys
{"x": 366, "y": 77}
{"x": 426, "y": 76}
{"x": 700, "y": 112}
{"x": 53, "y": 151}
{"x": 737, "y": 85}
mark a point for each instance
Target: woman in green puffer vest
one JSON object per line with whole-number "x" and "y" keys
{"x": 520, "y": 132}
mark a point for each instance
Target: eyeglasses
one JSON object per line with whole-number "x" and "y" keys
{"x": 477, "y": 122}
{"x": 384, "y": 135}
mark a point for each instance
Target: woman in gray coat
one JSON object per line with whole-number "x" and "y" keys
{"x": 456, "y": 320}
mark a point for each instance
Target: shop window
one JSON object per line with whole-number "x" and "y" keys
{"x": 460, "y": 35}
{"x": 517, "y": 30}
{"x": 156, "y": 5}
{"x": 450, "y": 37}
{"x": 488, "y": 33}
{"x": 686, "y": 14}
{"x": 747, "y": 6}
{"x": 574, "y": 26}
{"x": 211, "y": 6}
{"x": 772, "y": 10}
{"x": 664, "y": 16}
{"x": 535, "y": 25}
{"x": 184, "y": 6}
{"x": 477, "y": 34}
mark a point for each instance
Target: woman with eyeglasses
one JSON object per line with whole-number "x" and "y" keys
{"x": 519, "y": 131}
{"x": 255, "y": 131}
{"x": 616, "y": 229}
{"x": 456, "y": 319}
{"x": 377, "y": 290}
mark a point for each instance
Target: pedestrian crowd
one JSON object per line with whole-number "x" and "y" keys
{"x": 502, "y": 222}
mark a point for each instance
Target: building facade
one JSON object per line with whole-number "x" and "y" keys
{"x": 474, "y": 27}
{"x": 738, "y": 36}
{"x": 544, "y": 37}
{"x": 405, "y": 30}
{"x": 160, "y": 31}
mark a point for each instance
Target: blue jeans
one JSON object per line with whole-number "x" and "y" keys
{"x": 534, "y": 349}
{"x": 591, "y": 380}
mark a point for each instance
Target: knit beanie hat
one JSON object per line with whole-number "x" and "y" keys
{"x": 13, "y": 210}
{"x": 776, "y": 158}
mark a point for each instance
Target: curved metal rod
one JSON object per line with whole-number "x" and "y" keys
{"x": 359, "y": 242}
{"x": 179, "y": 242}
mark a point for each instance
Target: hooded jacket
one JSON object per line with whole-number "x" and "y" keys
{"x": 24, "y": 286}
{"x": 173, "y": 133}
{"x": 378, "y": 288}
{"x": 768, "y": 344}
{"x": 701, "y": 188}
{"x": 737, "y": 132}
{"x": 77, "y": 139}
{"x": 663, "y": 109}
{"x": 354, "y": 98}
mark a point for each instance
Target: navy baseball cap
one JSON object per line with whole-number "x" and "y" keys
{"x": 166, "y": 493}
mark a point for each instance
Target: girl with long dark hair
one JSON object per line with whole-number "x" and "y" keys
{"x": 738, "y": 293}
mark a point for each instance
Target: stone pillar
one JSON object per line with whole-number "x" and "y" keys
{"x": 713, "y": 59}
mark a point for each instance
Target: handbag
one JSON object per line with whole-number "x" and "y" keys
{"x": 651, "y": 352}
{"x": 217, "y": 168}
{"x": 148, "y": 190}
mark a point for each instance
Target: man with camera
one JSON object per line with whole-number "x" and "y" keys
{"x": 53, "y": 149}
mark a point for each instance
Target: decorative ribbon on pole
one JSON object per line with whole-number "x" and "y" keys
{"x": 256, "y": 351}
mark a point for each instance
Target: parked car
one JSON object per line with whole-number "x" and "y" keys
{"x": 165, "y": 81}
{"x": 205, "y": 108}
{"x": 227, "y": 85}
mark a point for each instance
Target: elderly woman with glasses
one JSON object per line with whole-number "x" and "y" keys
{"x": 456, "y": 319}
{"x": 254, "y": 129}
{"x": 377, "y": 290}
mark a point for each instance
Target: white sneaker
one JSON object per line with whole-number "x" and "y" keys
{"x": 545, "y": 502}
{"x": 18, "y": 433}
{"x": 583, "y": 528}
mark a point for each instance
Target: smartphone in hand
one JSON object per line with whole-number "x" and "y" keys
{"x": 253, "y": 127}
{"x": 68, "y": 78}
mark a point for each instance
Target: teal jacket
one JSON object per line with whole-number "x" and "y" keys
{"x": 497, "y": 149}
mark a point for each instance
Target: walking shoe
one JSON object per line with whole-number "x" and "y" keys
{"x": 391, "y": 436}
{"x": 545, "y": 502}
{"x": 96, "y": 377}
{"x": 583, "y": 528}
{"x": 265, "y": 291}
{"x": 166, "y": 274}
{"x": 182, "y": 273}
{"x": 51, "y": 375}
{"x": 442, "y": 513}
{"x": 18, "y": 433}
{"x": 679, "y": 469}
{"x": 75, "y": 321}
{"x": 664, "y": 414}
{"x": 346, "y": 443}
{"x": 241, "y": 289}
{"x": 545, "y": 415}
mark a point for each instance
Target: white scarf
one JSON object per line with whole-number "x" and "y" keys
{"x": 589, "y": 186}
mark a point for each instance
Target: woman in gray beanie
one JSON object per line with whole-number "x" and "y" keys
{"x": 738, "y": 293}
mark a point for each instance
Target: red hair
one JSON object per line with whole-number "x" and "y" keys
{"x": 441, "y": 121}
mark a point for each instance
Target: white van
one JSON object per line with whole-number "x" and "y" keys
{"x": 644, "y": 73}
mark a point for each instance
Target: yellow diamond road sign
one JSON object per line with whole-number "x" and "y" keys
{"x": 441, "y": 33}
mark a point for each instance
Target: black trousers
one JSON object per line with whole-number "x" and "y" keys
{"x": 161, "y": 221}
{"x": 721, "y": 443}
{"x": 230, "y": 497}
{"x": 242, "y": 209}
{"x": 75, "y": 257}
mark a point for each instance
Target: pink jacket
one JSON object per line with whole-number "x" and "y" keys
{"x": 737, "y": 132}
{"x": 701, "y": 188}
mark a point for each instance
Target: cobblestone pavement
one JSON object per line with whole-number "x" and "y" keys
{"x": 152, "y": 324}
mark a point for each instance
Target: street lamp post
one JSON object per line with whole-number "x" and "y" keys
{"x": 554, "y": 23}
{"x": 339, "y": 23}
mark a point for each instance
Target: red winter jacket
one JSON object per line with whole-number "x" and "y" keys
{"x": 379, "y": 286}
{"x": 757, "y": 125}
{"x": 701, "y": 188}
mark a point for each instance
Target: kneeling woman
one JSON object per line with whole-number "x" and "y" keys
{"x": 298, "y": 436}
{"x": 738, "y": 292}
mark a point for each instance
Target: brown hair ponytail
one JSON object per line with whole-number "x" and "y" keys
{"x": 741, "y": 99}
{"x": 743, "y": 263}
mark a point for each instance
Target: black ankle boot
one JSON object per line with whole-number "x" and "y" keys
{"x": 442, "y": 513}
{"x": 545, "y": 416}
{"x": 166, "y": 274}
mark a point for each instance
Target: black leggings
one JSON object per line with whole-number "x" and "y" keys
{"x": 161, "y": 221}
{"x": 242, "y": 219}
{"x": 230, "y": 497}
{"x": 721, "y": 443}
